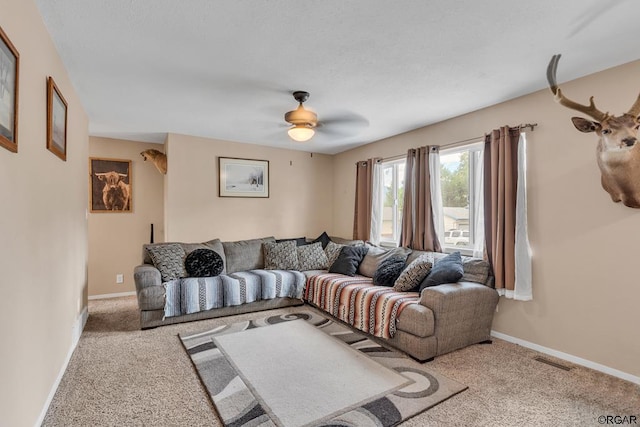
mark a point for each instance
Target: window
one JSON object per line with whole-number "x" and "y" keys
{"x": 392, "y": 200}
{"x": 461, "y": 186}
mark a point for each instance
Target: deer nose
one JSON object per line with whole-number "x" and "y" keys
{"x": 629, "y": 141}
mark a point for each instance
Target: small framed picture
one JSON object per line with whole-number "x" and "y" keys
{"x": 110, "y": 185}
{"x": 56, "y": 121}
{"x": 9, "y": 73}
{"x": 243, "y": 177}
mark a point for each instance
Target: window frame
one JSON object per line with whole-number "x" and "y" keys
{"x": 472, "y": 147}
{"x": 395, "y": 163}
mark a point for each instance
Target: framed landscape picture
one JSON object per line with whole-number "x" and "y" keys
{"x": 110, "y": 185}
{"x": 9, "y": 72}
{"x": 56, "y": 121}
{"x": 243, "y": 177}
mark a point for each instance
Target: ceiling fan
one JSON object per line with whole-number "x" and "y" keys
{"x": 303, "y": 121}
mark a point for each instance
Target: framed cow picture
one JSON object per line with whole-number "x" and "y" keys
{"x": 110, "y": 185}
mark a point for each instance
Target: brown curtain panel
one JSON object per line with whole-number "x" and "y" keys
{"x": 500, "y": 186}
{"x": 364, "y": 190}
{"x": 418, "y": 229}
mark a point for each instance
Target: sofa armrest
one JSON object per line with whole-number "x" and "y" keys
{"x": 149, "y": 289}
{"x": 463, "y": 313}
{"x": 146, "y": 275}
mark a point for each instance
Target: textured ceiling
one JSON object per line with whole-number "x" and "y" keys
{"x": 374, "y": 68}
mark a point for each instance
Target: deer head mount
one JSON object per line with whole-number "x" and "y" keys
{"x": 618, "y": 151}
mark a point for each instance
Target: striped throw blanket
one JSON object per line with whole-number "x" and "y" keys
{"x": 354, "y": 300}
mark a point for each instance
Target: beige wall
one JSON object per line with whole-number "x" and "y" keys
{"x": 116, "y": 239}
{"x": 300, "y": 202}
{"x": 585, "y": 286}
{"x": 43, "y": 229}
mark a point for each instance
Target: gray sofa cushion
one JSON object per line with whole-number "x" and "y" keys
{"x": 245, "y": 255}
{"x": 475, "y": 269}
{"x": 216, "y": 246}
{"x": 375, "y": 255}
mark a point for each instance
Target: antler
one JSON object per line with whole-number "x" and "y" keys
{"x": 635, "y": 108}
{"x": 589, "y": 110}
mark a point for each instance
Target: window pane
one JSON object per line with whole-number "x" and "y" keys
{"x": 400, "y": 199}
{"x": 454, "y": 180}
{"x": 388, "y": 202}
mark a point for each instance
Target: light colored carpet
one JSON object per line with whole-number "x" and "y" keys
{"x": 121, "y": 376}
{"x": 303, "y": 369}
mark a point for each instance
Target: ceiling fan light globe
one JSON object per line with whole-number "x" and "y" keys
{"x": 301, "y": 133}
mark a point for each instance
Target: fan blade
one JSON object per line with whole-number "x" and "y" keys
{"x": 343, "y": 124}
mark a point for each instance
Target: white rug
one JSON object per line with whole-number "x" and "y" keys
{"x": 307, "y": 370}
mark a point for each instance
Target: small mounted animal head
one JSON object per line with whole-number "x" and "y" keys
{"x": 158, "y": 158}
{"x": 618, "y": 148}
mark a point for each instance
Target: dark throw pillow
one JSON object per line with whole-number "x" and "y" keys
{"x": 447, "y": 270}
{"x": 349, "y": 260}
{"x": 324, "y": 239}
{"x": 389, "y": 270}
{"x": 300, "y": 241}
{"x": 203, "y": 263}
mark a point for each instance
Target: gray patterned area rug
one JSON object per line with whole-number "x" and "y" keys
{"x": 304, "y": 369}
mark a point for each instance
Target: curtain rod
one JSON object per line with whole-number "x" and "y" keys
{"x": 453, "y": 144}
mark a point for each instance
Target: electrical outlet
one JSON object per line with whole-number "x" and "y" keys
{"x": 119, "y": 278}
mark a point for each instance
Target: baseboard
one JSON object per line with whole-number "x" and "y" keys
{"x": 76, "y": 331}
{"x": 117, "y": 295}
{"x": 568, "y": 357}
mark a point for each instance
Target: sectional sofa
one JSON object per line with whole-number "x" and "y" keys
{"x": 425, "y": 324}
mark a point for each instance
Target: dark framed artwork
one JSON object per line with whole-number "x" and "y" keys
{"x": 110, "y": 185}
{"x": 9, "y": 73}
{"x": 243, "y": 177}
{"x": 56, "y": 121}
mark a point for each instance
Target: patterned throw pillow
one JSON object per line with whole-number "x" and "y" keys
{"x": 280, "y": 256}
{"x": 389, "y": 270}
{"x": 169, "y": 259}
{"x": 312, "y": 257}
{"x": 203, "y": 263}
{"x": 332, "y": 251}
{"x": 411, "y": 277}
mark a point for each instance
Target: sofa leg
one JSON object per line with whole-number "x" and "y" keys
{"x": 486, "y": 342}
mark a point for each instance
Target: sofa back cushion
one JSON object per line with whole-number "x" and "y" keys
{"x": 375, "y": 255}
{"x": 215, "y": 245}
{"x": 244, "y": 255}
{"x": 474, "y": 269}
